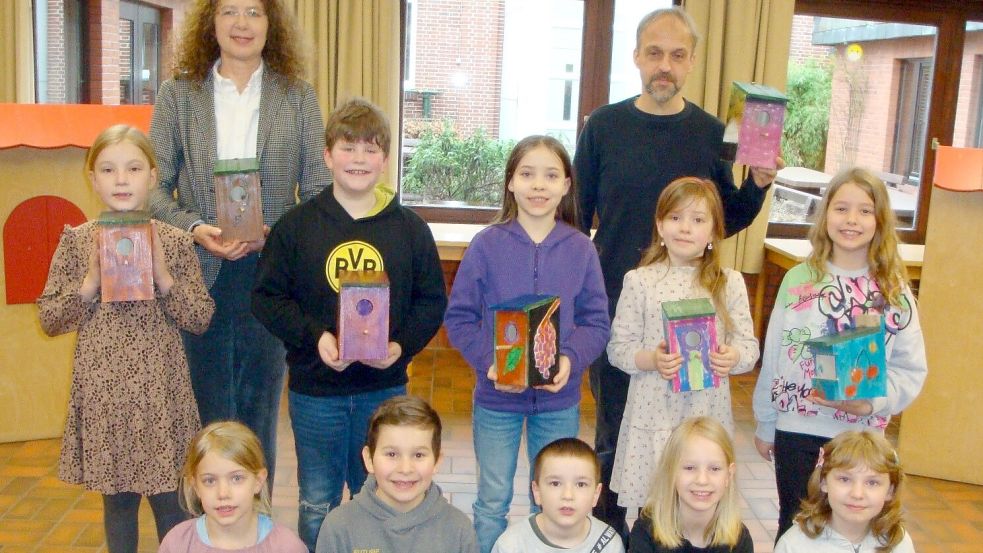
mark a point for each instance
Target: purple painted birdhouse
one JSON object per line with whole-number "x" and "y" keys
{"x": 754, "y": 123}
{"x": 363, "y": 315}
{"x": 851, "y": 364}
{"x": 527, "y": 340}
{"x": 126, "y": 256}
{"x": 690, "y": 330}
{"x": 238, "y": 202}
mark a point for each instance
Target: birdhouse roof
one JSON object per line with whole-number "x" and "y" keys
{"x": 687, "y": 309}
{"x": 233, "y": 166}
{"x": 524, "y": 303}
{"x": 124, "y": 217}
{"x": 754, "y": 91}
{"x": 844, "y": 336}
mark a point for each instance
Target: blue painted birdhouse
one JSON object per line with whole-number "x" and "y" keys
{"x": 690, "y": 330}
{"x": 851, "y": 364}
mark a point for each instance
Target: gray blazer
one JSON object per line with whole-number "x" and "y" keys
{"x": 290, "y": 148}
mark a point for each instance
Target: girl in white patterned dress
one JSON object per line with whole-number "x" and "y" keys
{"x": 681, "y": 263}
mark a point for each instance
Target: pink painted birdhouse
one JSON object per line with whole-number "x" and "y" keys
{"x": 363, "y": 315}
{"x": 754, "y": 122}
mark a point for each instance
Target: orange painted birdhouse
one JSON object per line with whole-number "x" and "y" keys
{"x": 527, "y": 340}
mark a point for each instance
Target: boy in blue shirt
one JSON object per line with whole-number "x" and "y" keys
{"x": 355, "y": 224}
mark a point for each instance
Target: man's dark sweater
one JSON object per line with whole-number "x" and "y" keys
{"x": 626, "y": 157}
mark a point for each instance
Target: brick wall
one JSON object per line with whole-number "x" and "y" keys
{"x": 56, "y": 52}
{"x": 801, "y": 48}
{"x": 878, "y": 75}
{"x": 455, "y": 39}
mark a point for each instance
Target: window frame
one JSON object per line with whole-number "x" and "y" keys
{"x": 949, "y": 17}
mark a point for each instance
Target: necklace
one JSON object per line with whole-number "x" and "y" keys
{"x": 856, "y": 548}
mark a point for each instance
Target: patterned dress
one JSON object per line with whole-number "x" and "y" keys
{"x": 131, "y": 411}
{"x": 653, "y": 410}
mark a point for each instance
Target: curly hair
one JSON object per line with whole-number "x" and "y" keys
{"x": 198, "y": 48}
{"x": 677, "y": 195}
{"x": 846, "y": 451}
{"x": 883, "y": 257}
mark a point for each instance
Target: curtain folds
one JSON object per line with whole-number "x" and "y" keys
{"x": 741, "y": 41}
{"x": 353, "y": 50}
{"x": 16, "y": 52}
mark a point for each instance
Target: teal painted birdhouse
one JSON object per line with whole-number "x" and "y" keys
{"x": 690, "y": 330}
{"x": 851, "y": 364}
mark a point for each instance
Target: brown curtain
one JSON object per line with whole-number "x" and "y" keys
{"x": 354, "y": 51}
{"x": 741, "y": 41}
{"x": 16, "y": 52}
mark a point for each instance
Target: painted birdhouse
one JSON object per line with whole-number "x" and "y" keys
{"x": 363, "y": 315}
{"x": 690, "y": 330}
{"x": 238, "y": 202}
{"x": 527, "y": 340}
{"x": 126, "y": 256}
{"x": 851, "y": 364}
{"x": 753, "y": 135}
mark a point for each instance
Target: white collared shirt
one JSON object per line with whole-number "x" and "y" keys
{"x": 237, "y": 115}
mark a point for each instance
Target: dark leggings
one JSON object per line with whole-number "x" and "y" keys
{"x": 120, "y": 516}
{"x": 795, "y": 458}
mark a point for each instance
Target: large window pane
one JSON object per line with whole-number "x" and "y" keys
{"x": 484, "y": 73}
{"x": 859, "y": 94}
{"x": 968, "y": 131}
{"x": 624, "y": 75}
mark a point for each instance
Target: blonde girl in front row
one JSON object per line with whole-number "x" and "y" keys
{"x": 131, "y": 411}
{"x": 854, "y": 503}
{"x": 683, "y": 262}
{"x": 224, "y": 485}
{"x": 693, "y": 504}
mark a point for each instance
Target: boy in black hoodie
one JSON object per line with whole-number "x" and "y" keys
{"x": 355, "y": 224}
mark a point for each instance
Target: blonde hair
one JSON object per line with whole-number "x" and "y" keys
{"x": 233, "y": 441}
{"x": 846, "y": 451}
{"x": 198, "y": 48}
{"x": 883, "y": 257}
{"x": 662, "y": 506}
{"x": 567, "y": 210}
{"x": 116, "y": 135}
{"x": 709, "y": 275}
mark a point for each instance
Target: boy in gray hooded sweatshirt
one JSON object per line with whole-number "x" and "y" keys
{"x": 399, "y": 509}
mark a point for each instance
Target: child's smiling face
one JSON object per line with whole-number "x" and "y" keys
{"x": 856, "y": 496}
{"x": 403, "y": 464}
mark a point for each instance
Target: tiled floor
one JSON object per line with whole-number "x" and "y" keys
{"x": 39, "y": 513}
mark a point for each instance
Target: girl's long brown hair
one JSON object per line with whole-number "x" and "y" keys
{"x": 883, "y": 257}
{"x": 567, "y": 211}
{"x": 846, "y": 451}
{"x": 709, "y": 275}
{"x": 198, "y": 48}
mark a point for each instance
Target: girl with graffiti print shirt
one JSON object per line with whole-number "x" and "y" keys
{"x": 854, "y": 269}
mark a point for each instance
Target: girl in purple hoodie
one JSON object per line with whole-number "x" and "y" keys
{"x": 532, "y": 247}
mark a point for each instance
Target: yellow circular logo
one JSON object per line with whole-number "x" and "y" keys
{"x": 854, "y": 52}
{"x": 351, "y": 256}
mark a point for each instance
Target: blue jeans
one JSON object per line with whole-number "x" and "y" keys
{"x": 237, "y": 366}
{"x": 496, "y": 445}
{"x": 329, "y": 434}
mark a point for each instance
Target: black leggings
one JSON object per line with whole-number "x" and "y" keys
{"x": 795, "y": 458}
{"x": 120, "y": 516}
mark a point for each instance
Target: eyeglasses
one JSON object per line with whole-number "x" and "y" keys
{"x": 231, "y": 12}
